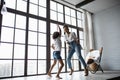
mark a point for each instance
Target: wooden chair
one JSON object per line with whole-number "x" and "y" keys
{"x": 98, "y": 66}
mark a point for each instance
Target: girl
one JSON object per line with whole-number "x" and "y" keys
{"x": 56, "y": 53}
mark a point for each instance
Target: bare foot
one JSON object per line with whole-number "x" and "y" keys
{"x": 58, "y": 77}
{"x": 71, "y": 72}
{"x": 49, "y": 75}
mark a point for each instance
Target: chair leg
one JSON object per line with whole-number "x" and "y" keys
{"x": 101, "y": 69}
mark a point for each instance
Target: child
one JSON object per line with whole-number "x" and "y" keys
{"x": 56, "y": 53}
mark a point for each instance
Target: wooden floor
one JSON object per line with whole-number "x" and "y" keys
{"x": 76, "y": 76}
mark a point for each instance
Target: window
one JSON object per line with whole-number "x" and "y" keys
{"x": 21, "y": 5}
{"x": 11, "y": 4}
{"x": 10, "y": 17}
{"x": 26, "y": 34}
{"x": 7, "y": 34}
{"x": 79, "y": 19}
{"x": 56, "y": 11}
{"x": 19, "y": 51}
{"x": 70, "y": 16}
{"x": 20, "y": 22}
{"x": 18, "y": 67}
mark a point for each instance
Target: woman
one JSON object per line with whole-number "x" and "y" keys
{"x": 72, "y": 40}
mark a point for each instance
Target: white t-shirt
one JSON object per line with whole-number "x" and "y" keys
{"x": 71, "y": 37}
{"x": 95, "y": 54}
{"x": 57, "y": 44}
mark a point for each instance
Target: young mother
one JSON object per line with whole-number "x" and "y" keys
{"x": 74, "y": 46}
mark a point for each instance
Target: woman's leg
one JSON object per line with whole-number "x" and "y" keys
{"x": 49, "y": 72}
{"x": 70, "y": 54}
{"x": 61, "y": 66}
{"x": 78, "y": 51}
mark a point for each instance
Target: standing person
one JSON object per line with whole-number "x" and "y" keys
{"x": 74, "y": 46}
{"x": 56, "y": 53}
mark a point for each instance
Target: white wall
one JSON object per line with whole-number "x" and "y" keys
{"x": 107, "y": 34}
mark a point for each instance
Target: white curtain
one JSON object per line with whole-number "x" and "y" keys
{"x": 88, "y": 32}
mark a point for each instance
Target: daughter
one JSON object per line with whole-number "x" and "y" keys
{"x": 56, "y": 53}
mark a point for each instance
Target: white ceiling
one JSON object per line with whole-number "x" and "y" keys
{"x": 97, "y": 5}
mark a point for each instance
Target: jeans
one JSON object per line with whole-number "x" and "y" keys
{"x": 74, "y": 47}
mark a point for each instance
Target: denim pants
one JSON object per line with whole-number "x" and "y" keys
{"x": 74, "y": 47}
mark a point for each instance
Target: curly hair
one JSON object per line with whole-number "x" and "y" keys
{"x": 65, "y": 26}
{"x": 55, "y": 35}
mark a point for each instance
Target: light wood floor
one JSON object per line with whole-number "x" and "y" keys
{"x": 76, "y": 76}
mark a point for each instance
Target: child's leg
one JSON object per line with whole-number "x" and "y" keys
{"x": 61, "y": 66}
{"x": 49, "y": 72}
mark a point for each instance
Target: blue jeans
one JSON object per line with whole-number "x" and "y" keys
{"x": 56, "y": 55}
{"x": 74, "y": 47}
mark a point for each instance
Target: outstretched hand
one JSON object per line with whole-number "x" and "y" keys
{"x": 58, "y": 28}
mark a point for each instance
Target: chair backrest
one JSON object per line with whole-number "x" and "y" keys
{"x": 101, "y": 51}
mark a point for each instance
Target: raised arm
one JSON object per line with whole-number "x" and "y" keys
{"x": 59, "y": 29}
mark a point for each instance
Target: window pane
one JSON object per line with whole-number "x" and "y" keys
{"x": 79, "y": 15}
{"x": 32, "y": 38}
{"x": 67, "y": 19}
{"x": 67, "y": 11}
{"x": 42, "y": 3}
{"x": 42, "y": 26}
{"x": 42, "y": 39}
{"x": 19, "y": 36}
{"x": 41, "y": 66}
{"x": 33, "y": 9}
{"x": 60, "y": 8}
{"x": 32, "y": 52}
{"x": 73, "y": 13}
{"x": 32, "y": 67}
{"x": 76, "y": 64}
{"x": 53, "y": 28}
{"x": 22, "y": 5}
{"x": 53, "y": 5}
{"x": 34, "y": 1}
{"x": 63, "y": 42}
{"x": 18, "y": 67}
{"x": 41, "y": 52}
{"x": 19, "y": 51}
{"x": 82, "y": 44}
{"x": 60, "y": 17}
{"x": 79, "y": 23}
{"x": 74, "y": 30}
{"x": 53, "y": 15}
{"x": 81, "y": 35}
{"x": 10, "y": 17}
{"x": 7, "y": 34}
{"x": 10, "y": 3}
{"x": 20, "y": 21}
{"x": 6, "y": 50}
{"x": 73, "y": 20}
{"x": 33, "y": 24}
{"x": 42, "y": 12}
{"x": 51, "y": 53}
{"x": 63, "y": 53}
{"x": 5, "y": 68}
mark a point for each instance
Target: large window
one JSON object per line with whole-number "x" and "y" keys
{"x": 25, "y": 34}
{"x": 56, "y": 11}
{"x": 70, "y": 16}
